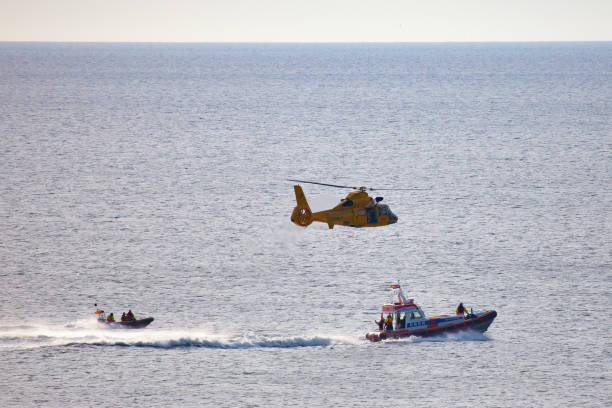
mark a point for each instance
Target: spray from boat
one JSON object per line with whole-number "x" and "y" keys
{"x": 87, "y": 333}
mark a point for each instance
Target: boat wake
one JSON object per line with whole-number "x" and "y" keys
{"x": 37, "y": 336}
{"x": 242, "y": 342}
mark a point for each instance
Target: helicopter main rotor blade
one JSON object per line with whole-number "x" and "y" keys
{"x": 323, "y": 184}
{"x": 362, "y": 188}
{"x": 398, "y": 189}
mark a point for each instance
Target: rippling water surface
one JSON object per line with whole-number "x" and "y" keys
{"x": 153, "y": 177}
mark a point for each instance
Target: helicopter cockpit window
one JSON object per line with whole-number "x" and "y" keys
{"x": 382, "y": 211}
{"x": 347, "y": 203}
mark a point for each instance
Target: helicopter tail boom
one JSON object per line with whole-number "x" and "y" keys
{"x": 302, "y": 215}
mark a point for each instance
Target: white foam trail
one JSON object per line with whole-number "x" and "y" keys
{"x": 86, "y": 333}
{"x": 244, "y": 342}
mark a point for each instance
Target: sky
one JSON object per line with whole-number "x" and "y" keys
{"x": 305, "y": 20}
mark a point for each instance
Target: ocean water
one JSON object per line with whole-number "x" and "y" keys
{"x": 153, "y": 177}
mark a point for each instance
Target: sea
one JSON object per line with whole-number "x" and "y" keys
{"x": 155, "y": 177}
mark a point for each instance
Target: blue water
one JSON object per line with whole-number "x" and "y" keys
{"x": 153, "y": 177}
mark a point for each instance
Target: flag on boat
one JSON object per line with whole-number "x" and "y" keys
{"x": 394, "y": 285}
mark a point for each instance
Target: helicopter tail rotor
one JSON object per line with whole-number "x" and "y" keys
{"x": 302, "y": 215}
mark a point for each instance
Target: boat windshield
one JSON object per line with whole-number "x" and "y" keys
{"x": 415, "y": 314}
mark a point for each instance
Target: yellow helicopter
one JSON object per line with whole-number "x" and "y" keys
{"x": 357, "y": 209}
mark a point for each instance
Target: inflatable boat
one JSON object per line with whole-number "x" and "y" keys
{"x": 132, "y": 324}
{"x": 127, "y": 323}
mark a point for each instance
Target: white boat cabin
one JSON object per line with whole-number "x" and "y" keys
{"x": 404, "y": 313}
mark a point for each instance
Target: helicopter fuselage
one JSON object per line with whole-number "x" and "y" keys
{"x": 358, "y": 210}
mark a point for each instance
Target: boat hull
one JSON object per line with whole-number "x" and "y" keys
{"x": 133, "y": 324}
{"x": 478, "y": 323}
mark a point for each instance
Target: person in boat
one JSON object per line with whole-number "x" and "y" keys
{"x": 389, "y": 322}
{"x": 380, "y": 323}
{"x": 461, "y": 309}
{"x": 130, "y": 316}
{"x": 110, "y": 318}
{"x": 100, "y": 313}
{"x": 123, "y": 317}
{"x": 400, "y": 322}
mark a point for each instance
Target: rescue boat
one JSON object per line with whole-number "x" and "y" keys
{"x": 405, "y": 318}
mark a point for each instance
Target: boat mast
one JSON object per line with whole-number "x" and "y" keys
{"x": 400, "y": 293}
